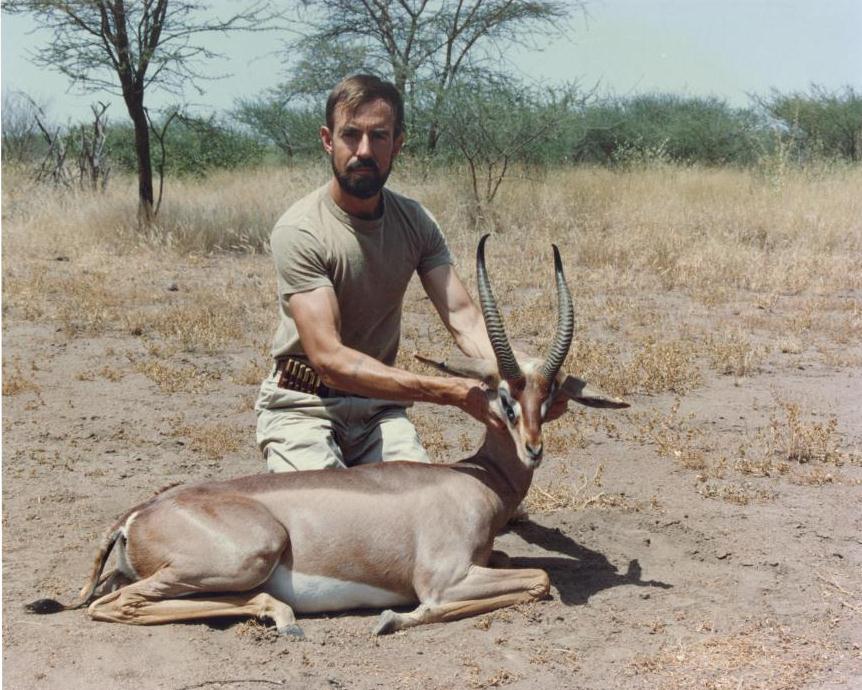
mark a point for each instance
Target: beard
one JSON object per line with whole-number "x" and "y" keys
{"x": 360, "y": 185}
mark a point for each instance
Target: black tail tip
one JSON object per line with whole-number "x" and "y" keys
{"x": 45, "y": 606}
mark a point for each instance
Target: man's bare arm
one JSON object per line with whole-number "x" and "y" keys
{"x": 458, "y": 311}
{"x": 317, "y": 319}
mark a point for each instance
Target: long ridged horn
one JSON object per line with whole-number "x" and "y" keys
{"x": 506, "y": 361}
{"x": 565, "y": 322}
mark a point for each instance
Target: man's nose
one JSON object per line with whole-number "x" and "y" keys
{"x": 364, "y": 148}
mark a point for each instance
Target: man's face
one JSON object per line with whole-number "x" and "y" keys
{"x": 362, "y": 147}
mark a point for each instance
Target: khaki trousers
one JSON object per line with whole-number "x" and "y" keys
{"x": 299, "y": 431}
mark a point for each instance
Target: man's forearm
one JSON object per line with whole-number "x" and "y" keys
{"x": 458, "y": 311}
{"x": 350, "y": 370}
{"x": 471, "y": 336}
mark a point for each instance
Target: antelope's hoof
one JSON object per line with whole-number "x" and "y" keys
{"x": 292, "y": 631}
{"x": 388, "y": 623}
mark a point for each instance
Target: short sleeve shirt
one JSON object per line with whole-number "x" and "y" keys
{"x": 368, "y": 263}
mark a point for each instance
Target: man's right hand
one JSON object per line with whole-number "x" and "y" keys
{"x": 475, "y": 402}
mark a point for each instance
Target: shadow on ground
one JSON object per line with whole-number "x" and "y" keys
{"x": 583, "y": 572}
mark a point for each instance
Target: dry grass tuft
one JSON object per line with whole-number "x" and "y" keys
{"x": 763, "y": 467}
{"x": 734, "y": 493}
{"x": 175, "y": 379}
{"x": 16, "y": 382}
{"x": 734, "y": 354}
{"x": 204, "y": 325}
{"x": 80, "y": 302}
{"x": 252, "y": 629}
{"x": 763, "y": 656}
{"x": 253, "y": 372}
{"x": 657, "y": 366}
{"x": 214, "y": 441}
{"x": 561, "y": 440}
{"x": 666, "y": 366}
{"x": 799, "y": 447}
{"x": 673, "y": 436}
{"x": 107, "y": 372}
{"x": 796, "y": 439}
{"x": 600, "y": 363}
{"x": 559, "y": 491}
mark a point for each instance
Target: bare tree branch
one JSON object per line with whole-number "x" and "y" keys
{"x": 131, "y": 46}
{"x": 423, "y": 45}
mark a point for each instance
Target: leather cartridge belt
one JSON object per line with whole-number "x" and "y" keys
{"x": 295, "y": 373}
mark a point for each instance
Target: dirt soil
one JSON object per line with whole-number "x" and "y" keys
{"x": 663, "y": 575}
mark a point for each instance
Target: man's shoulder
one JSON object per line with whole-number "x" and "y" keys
{"x": 303, "y": 214}
{"x": 402, "y": 201}
{"x": 409, "y": 208}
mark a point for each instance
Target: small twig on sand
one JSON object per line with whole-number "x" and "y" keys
{"x": 232, "y": 681}
{"x": 593, "y": 499}
{"x": 835, "y": 585}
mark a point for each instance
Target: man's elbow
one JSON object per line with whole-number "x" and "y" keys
{"x": 326, "y": 364}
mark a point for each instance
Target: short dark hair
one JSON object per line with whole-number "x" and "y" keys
{"x": 359, "y": 89}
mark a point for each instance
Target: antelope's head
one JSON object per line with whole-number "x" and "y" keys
{"x": 521, "y": 390}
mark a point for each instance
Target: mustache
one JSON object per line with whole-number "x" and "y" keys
{"x": 363, "y": 165}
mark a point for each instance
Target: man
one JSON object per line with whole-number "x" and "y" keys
{"x": 344, "y": 256}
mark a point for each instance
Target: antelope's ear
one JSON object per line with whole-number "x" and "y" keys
{"x": 577, "y": 389}
{"x": 461, "y": 365}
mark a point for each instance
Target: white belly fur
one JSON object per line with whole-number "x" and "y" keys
{"x": 317, "y": 593}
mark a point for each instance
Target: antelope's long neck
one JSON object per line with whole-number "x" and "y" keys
{"x": 508, "y": 477}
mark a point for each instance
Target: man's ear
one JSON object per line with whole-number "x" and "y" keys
{"x": 326, "y": 139}
{"x": 461, "y": 365}
{"x": 577, "y": 390}
{"x": 399, "y": 142}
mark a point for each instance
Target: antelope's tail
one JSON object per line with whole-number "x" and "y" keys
{"x": 54, "y": 606}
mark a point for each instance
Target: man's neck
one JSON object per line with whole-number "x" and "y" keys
{"x": 367, "y": 209}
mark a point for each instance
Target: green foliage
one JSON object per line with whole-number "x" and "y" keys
{"x": 322, "y": 63}
{"x": 665, "y": 127}
{"x": 487, "y": 123}
{"x": 281, "y": 120}
{"x": 494, "y": 122}
{"x": 821, "y": 123}
{"x": 193, "y": 146}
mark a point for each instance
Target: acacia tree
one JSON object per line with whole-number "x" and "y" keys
{"x": 499, "y": 122}
{"x": 289, "y": 115}
{"x": 131, "y": 47}
{"x": 20, "y": 134}
{"x": 426, "y": 44}
{"x": 821, "y": 121}
{"x": 278, "y": 118}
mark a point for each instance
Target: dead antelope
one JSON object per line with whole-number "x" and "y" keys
{"x": 374, "y": 536}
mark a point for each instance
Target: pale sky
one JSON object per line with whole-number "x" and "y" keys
{"x": 725, "y": 48}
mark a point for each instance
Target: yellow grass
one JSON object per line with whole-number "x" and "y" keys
{"x": 706, "y": 231}
{"x": 762, "y": 655}
{"x": 678, "y": 275}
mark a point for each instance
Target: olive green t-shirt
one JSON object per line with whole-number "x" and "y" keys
{"x": 368, "y": 263}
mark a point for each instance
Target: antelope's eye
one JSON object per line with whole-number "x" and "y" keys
{"x": 510, "y": 411}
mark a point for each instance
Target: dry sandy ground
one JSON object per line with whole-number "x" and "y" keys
{"x": 672, "y": 564}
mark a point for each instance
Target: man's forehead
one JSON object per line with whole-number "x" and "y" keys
{"x": 377, "y": 113}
